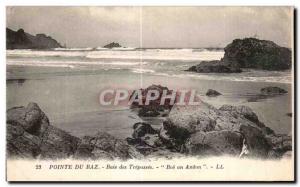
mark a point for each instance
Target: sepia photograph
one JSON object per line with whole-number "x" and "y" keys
{"x": 150, "y": 93}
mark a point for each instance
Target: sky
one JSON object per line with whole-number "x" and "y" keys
{"x": 161, "y": 27}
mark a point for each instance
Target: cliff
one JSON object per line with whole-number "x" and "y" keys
{"x": 22, "y": 40}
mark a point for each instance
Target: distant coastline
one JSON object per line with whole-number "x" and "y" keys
{"x": 22, "y": 40}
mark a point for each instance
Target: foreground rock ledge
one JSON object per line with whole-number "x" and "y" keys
{"x": 29, "y": 135}
{"x": 189, "y": 130}
{"x": 206, "y": 130}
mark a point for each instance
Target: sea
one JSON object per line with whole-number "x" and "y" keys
{"x": 66, "y": 83}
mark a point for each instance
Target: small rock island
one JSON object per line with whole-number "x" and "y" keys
{"x": 248, "y": 53}
{"x": 112, "y": 45}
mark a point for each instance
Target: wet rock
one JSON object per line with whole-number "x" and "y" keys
{"x": 212, "y": 93}
{"x": 141, "y": 129}
{"x": 148, "y": 112}
{"x": 272, "y": 91}
{"x": 215, "y": 66}
{"x": 154, "y": 108}
{"x": 30, "y": 135}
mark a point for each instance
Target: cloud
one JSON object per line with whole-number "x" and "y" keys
{"x": 154, "y": 26}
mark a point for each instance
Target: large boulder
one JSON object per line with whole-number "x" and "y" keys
{"x": 212, "y": 93}
{"x": 187, "y": 126}
{"x": 154, "y": 108}
{"x": 248, "y": 53}
{"x": 258, "y": 54}
{"x": 30, "y": 135}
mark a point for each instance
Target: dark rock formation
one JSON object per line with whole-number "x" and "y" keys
{"x": 30, "y": 135}
{"x": 267, "y": 92}
{"x": 201, "y": 130}
{"x": 22, "y": 40}
{"x": 258, "y": 54}
{"x": 272, "y": 91}
{"x": 146, "y": 140}
{"x": 212, "y": 93}
{"x": 141, "y": 129}
{"x": 248, "y": 53}
{"x": 204, "y": 130}
{"x": 154, "y": 108}
{"x": 112, "y": 45}
{"x": 215, "y": 66}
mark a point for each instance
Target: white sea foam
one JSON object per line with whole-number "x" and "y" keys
{"x": 50, "y": 53}
{"x": 160, "y": 62}
{"x": 120, "y": 53}
{"x": 182, "y": 55}
{"x": 74, "y": 49}
{"x": 67, "y": 63}
{"x": 240, "y": 77}
{"x": 137, "y": 70}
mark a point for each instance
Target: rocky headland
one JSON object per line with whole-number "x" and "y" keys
{"x": 22, "y": 40}
{"x": 200, "y": 131}
{"x": 248, "y": 53}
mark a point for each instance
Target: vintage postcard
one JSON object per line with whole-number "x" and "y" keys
{"x": 150, "y": 93}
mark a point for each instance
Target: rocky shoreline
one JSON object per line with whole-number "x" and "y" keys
{"x": 201, "y": 131}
